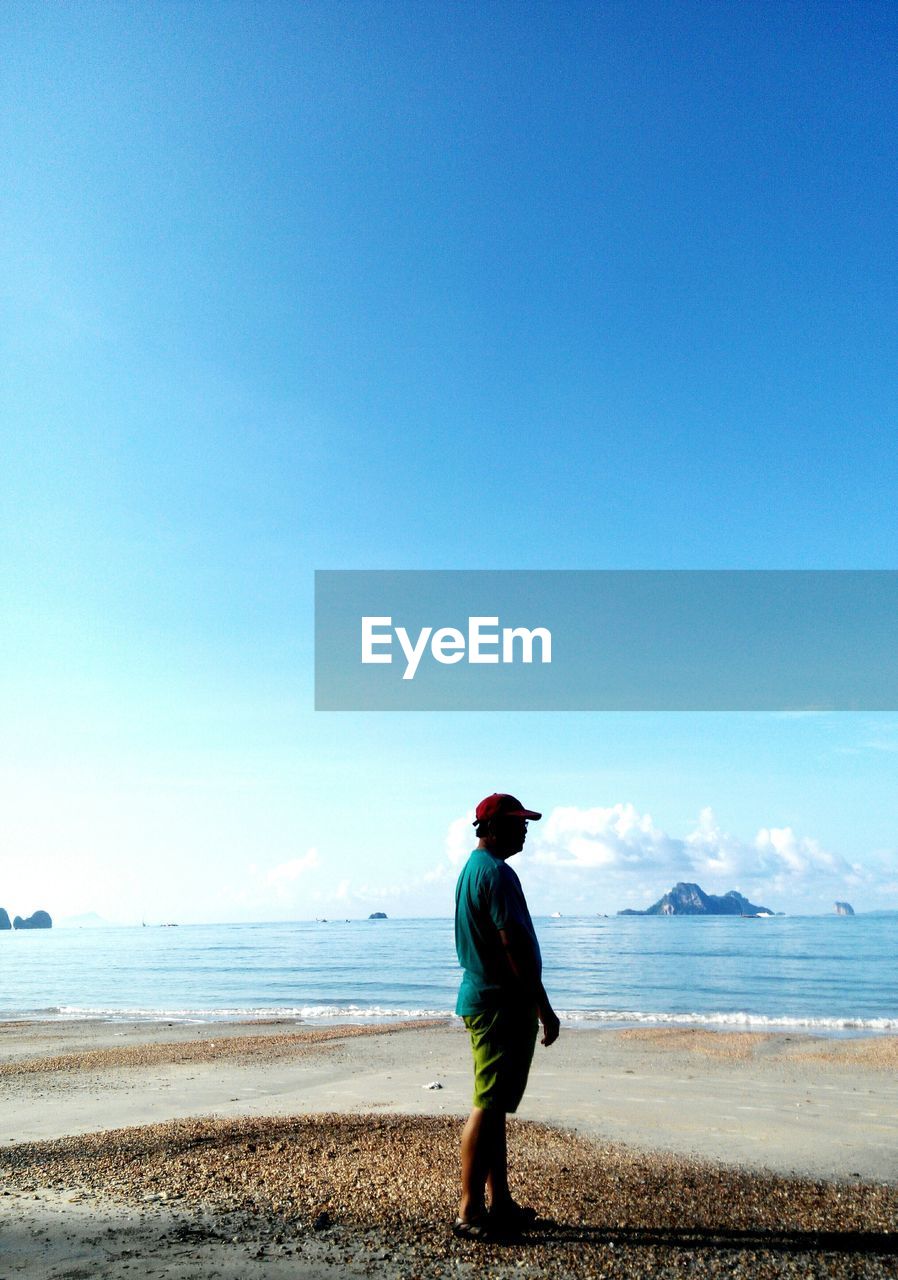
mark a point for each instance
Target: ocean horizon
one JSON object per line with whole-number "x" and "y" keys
{"x": 828, "y": 975}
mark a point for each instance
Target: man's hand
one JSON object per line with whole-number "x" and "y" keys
{"x": 551, "y": 1026}
{"x": 525, "y": 967}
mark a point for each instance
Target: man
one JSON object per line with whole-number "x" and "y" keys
{"x": 501, "y": 1000}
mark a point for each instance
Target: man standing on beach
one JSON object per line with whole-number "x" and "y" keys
{"x": 501, "y": 1000}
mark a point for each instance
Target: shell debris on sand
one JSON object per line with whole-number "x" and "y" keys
{"x": 390, "y": 1183}
{"x": 732, "y": 1045}
{"x": 258, "y": 1048}
{"x": 876, "y": 1053}
{"x": 872, "y": 1052}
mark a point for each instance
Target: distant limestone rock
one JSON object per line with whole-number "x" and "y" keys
{"x": 87, "y": 919}
{"x": 378, "y": 915}
{"x": 690, "y": 900}
{"x": 40, "y": 920}
{"x": 4, "y": 919}
{"x": 844, "y": 909}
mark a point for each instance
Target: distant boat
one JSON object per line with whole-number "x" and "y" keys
{"x": 556, "y": 915}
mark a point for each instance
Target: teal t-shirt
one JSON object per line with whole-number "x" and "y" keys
{"x": 488, "y": 897}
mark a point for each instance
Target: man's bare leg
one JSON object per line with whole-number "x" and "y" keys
{"x": 483, "y": 1160}
{"x": 497, "y": 1174}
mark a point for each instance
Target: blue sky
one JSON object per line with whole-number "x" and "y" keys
{"x": 427, "y": 286}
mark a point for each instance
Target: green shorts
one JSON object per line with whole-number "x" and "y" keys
{"x": 502, "y": 1041}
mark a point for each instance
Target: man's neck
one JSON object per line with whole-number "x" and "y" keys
{"x": 489, "y": 846}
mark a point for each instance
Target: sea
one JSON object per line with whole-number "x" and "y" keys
{"x": 832, "y": 976}
{"x": 828, "y": 975}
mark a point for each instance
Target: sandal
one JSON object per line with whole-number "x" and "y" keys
{"x": 476, "y": 1229}
{"x": 514, "y": 1216}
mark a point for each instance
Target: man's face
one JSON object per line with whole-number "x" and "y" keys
{"x": 509, "y": 835}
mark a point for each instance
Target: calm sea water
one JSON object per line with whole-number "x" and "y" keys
{"x": 828, "y": 974}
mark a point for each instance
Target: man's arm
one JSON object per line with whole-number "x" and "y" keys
{"x": 522, "y": 962}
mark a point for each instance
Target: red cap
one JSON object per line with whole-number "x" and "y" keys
{"x": 502, "y": 806}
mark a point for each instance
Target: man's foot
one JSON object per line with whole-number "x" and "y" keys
{"x": 511, "y": 1216}
{"x": 476, "y": 1229}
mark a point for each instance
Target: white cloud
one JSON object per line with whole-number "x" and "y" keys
{"x": 882, "y": 744}
{"x": 711, "y": 851}
{"x": 283, "y": 888}
{"x": 621, "y": 840}
{"x": 460, "y": 839}
{"x": 287, "y": 872}
{"x": 782, "y": 853}
{"x": 617, "y": 836}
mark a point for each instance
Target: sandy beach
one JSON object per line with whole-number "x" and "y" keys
{"x": 276, "y": 1149}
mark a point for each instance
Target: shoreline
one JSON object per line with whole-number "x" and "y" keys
{"x": 576, "y": 1022}
{"x": 275, "y": 1150}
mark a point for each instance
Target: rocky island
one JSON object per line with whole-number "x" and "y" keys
{"x": 5, "y": 922}
{"x": 691, "y": 900}
{"x": 40, "y": 920}
{"x": 844, "y": 909}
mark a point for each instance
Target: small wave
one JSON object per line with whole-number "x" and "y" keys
{"x": 297, "y": 1013}
{"x": 574, "y": 1019}
{"x": 739, "y": 1021}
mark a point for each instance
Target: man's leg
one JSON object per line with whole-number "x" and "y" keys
{"x": 503, "y": 1050}
{"x": 483, "y": 1160}
{"x": 497, "y": 1174}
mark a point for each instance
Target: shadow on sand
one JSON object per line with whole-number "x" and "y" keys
{"x": 784, "y": 1241}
